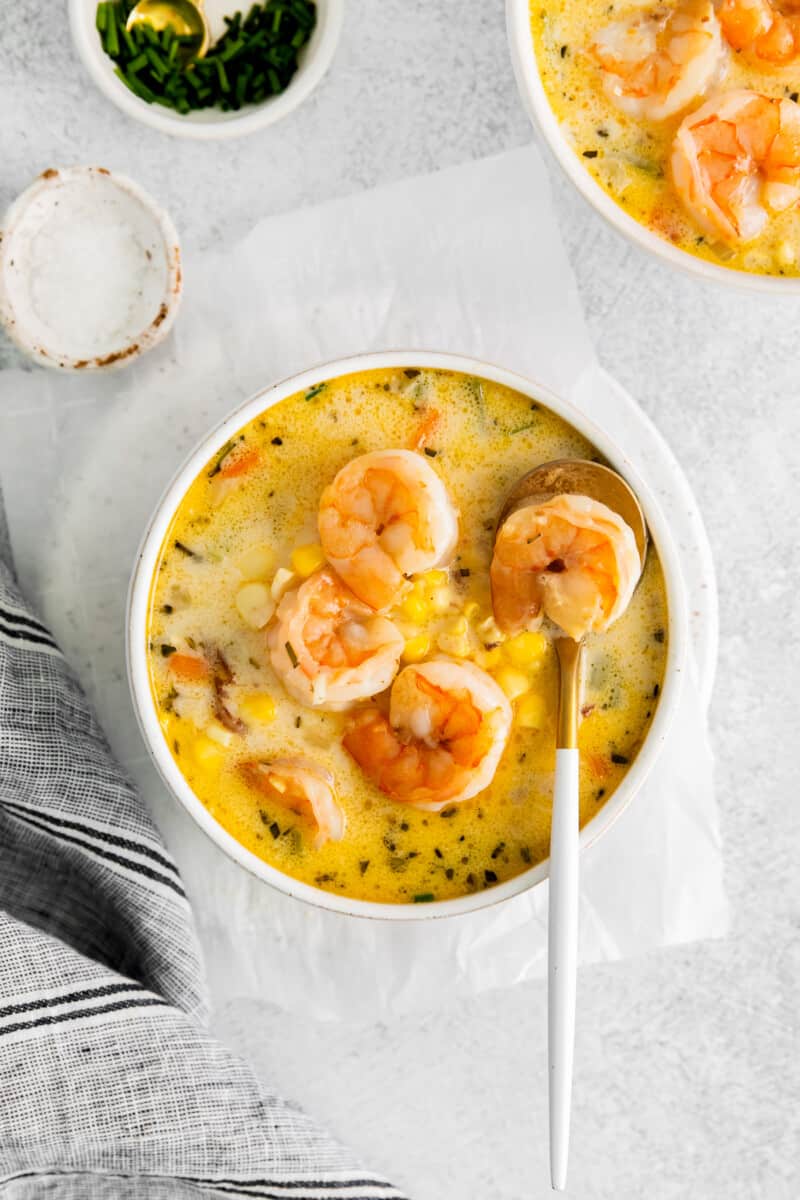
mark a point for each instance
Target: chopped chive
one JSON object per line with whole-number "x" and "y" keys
{"x": 315, "y": 391}
{"x": 101, "y": 17}
{"x": 293, "y": 659}
{"x": 223, "y": 454}
{"x": 424, "y": 898}
{"x": 222, "y": 75}
{"x": 112, "y": 39}
{"x": 166, "y": 649}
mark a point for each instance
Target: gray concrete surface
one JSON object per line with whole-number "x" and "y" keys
{"x": 687, "y": 1078}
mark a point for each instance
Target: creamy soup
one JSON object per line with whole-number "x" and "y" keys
{"x": 628, "y": 145}
{"x": 246, "y": 533}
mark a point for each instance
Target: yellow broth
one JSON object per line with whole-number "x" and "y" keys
{"x": 629, "y": 157}
{"x": 219, "y": 540}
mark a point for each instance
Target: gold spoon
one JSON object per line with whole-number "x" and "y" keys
{"x": 583, "y": 478}
{"x": 185, "y": 17}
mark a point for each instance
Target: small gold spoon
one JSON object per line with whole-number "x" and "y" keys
{"x": 582, "y": 478}
{"x": 185, "y": 17}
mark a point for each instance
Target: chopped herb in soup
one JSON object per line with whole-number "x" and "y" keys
{"x": 332, "y": 676}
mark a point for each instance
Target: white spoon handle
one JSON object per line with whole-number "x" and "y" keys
{"x": 562, "y": 958}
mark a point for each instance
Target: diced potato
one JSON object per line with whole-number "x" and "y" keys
{"x": 441, "y": 599}
{"x": 255, "y": 604}
{"x": 219, "y": 734}
{"x": 532, "y": 711}
{"x": 514, "y": 683}
{"x": 525, "y": 649}
{"x": 454, "y": 639}
{"x": 208, "y": 753}
{"x": 307, "y": 559}
{"x": 416, "y": 648}
{"x": 281, "y": 582}
{"x": 257, "y": 562}
{"x": 258, "y": 708}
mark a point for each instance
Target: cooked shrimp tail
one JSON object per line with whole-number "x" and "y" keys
{"x": 302, "y": 787}
{"x": 571, "y": 559}
{"x": 386, "y": 516}
{"x": 447, "y": 727}
{"x": 767, "y": 32}
{"x": 328, "y": 648}
{"x": 736, "y": 161}
{"x": 656, "y": 63}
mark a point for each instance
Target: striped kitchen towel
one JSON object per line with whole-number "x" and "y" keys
{"x": 110, "y": 1085}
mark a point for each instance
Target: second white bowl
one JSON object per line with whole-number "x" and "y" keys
{"x": 526, "y": 70}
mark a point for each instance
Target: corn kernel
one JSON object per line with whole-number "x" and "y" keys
{"x": 786, "y": 254}
{"x": 416, "y": 648}
{"x": 258, "y": 708}
{"x": 255, "y": 604}
{"x": 307, "y": 559}
{"x": 415, "y": 607}
{"x": 532, "y": 711}
{"x": 219, "y": 734}
{"x": 490, "y": 659}
{"x": 471, "y": 609}
{"x": 513, "y": 682}
{"x": 525, "y": 649}
{"x": 257, "y": 562}
{"x": 433, "y": 579}
{"x": 207, "y": 753}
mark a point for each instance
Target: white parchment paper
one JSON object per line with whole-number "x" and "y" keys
{"x": 467, "y": 260}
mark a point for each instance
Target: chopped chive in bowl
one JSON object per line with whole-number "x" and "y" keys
{"x": 255, "y": 58}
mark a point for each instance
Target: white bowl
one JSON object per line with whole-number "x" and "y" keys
{"x": 313, "y": 61}
{"x": 90, "y": 270}
{"x": 526, "y": 70}
{"x": 147, "y": 559}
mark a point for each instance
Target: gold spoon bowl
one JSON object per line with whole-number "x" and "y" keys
{"x": 185, "y": 17}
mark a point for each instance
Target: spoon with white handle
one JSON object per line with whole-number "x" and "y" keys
{"x": 583, "y": 478}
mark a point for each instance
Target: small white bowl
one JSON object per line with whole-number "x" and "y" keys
{"x": 526, "y": 70}
{"x": 209, "y": 123}
{"x": 90, "y": 270}
{"x": 147, "y": 561}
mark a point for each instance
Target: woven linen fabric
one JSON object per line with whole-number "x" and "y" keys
{"x": 110, "y": 1086}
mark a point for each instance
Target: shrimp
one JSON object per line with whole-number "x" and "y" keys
{"x": 736, "y": 161}
{"x": 328, "y": 648}
{"x": 304, "y": 788}
{"x": 764, "y": 30}
{"x": 656, "y": 63}
{"x": 386, "y": 515}
{"x": 571, "y": 559}
{"x": 447, "y": 728}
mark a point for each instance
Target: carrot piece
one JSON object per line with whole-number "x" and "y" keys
{"x": 188, "y": 667}
{"x": 597, "y": 764}
{"x": 426, "y": 429}
{"x": 239, "y": 464}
